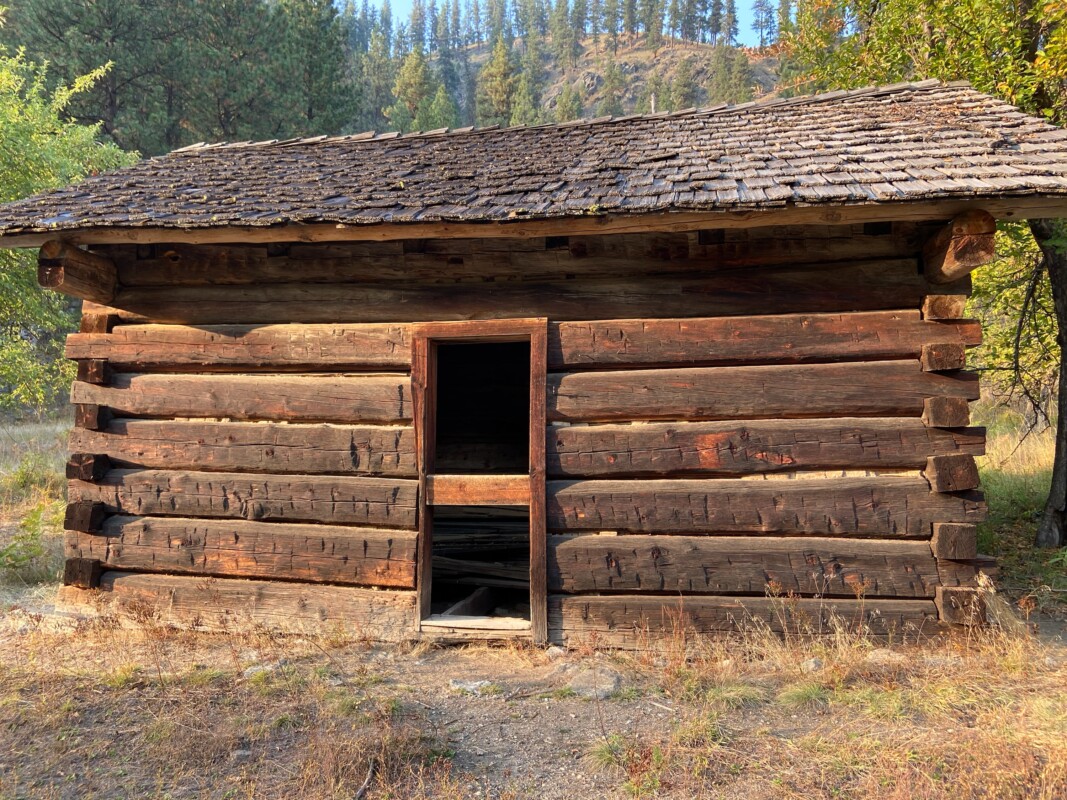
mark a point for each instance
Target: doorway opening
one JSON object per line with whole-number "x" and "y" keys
{"x": 483, "y": 408}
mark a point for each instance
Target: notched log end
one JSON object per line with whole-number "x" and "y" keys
{"x": 955, "y": 472}
{"x": 960, "y": 605}
{"x": 87, "y": 467}
{"x": 967, "y": 242}
{"x": 84, "y": 516}
{"x": 83, "y": 573}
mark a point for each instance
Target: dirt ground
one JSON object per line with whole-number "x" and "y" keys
{"x": 99, "y": 709}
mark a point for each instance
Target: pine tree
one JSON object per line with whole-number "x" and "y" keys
{"x": 655, "y": 97}
{"x": 715, "y": 21}
{"x": 417, "y": 26}
{"x": 580, "y": 18}
{"x": 595, "y": 23}
{"x": 611, "y": 100}
{"x": 785, "y": 17}
{"x": 683, "y": 86}
{"x": 378, "y": 74}
{"x": 629, "y": 18}
{"x": 496, "y": 84}
{"x": 652, "y": 19}
{"x": 414, "y": 88}
{"x": 568, "y": 104}
{"x": 764, "y": 21}
{"x": 612, "y": 23}
{"x": 440, "y": 112}
{"x": 729, "y": 22}
{"x": 525, "y": 109}
{"x": 740, "y": 84}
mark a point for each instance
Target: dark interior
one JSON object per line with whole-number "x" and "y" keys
{"x": 483, "y": 408}
{"x": 483, "y": 550}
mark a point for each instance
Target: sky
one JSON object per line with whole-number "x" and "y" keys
{"x": 401, "y": 9}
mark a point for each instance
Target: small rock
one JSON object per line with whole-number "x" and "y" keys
{"x": 473, "y": 688}
{"x": 555, "y": 653}
{"x": 811, "y": 665}
{"x": 598, "y": 682}
{"x": 258, "y": 669}
{"x": 884, "y": 657}
{"x": 240, "y": 755}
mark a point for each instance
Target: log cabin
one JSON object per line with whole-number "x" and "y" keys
{"x": 567, "y": 383}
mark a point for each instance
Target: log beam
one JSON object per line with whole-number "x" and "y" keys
{"x": 87, "y": 467}
{"x": 955, "y": 541}
{"x": 967, "y": 242}
{"x": 84, "y": 515}
{"x": 946, "y": 412}
{"x": 954, "y": 472}
{"x": 65, "y": 268}
{"x": 960, "y": 605}
{"x": 83, "y": 573}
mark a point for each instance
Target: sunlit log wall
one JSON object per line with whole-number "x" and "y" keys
{"x": 760, "y": 426}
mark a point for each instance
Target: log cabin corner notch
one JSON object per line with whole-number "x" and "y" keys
{"x": 563, "y": 383}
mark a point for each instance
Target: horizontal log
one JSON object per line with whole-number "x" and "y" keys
{"x": 955, "y": 541}
{"x": 868, "y": 286}
{"x": 901, "y": 507}
{"x": 451, "y": 260}
{"x": 765, "y": 339}
{"x": 955, "y": 472}
{"x": 253, "y": 447}
{"x": 741, "y": 565}
{"x": 228, "y": 605}
{"x": 636, "y": 622}
{"x": 276, "y": 347}
{"x": 325, "y": 398}
{"x": 759, "y": 446}
{"x": 236, "y": 548}
{"x": 478, "y": 490}
{"x": 879, "y": 389}
{"x": 65, "y": 268}
{"x": 385, "y": 502}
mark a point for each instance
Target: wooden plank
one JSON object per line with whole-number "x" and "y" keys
{"x": 759, "y": 446}
{"x": 87, "y": 466}
{"x": 477, "y": 604}
{"x": 1014, "y": 208}
{"x": 887, "y": 388}
{"x": 237, "y": 548}
{"x": 83, "y": 573}
{"x": 478, "y": 490}
{"x": 868, "y": 286}
{"x": 94, "y": 370}
{"x": 955, "y": 541}
{"x": 969, "y": 241}
{"x": 228, "y": 605}
{"x": 946, "y": 412}
{"x": 253, "y": 447}
{"x": 954, "y": 472}
{"x": 307, "y": 398}
{"x": 274, "y": 347}
{"x": 387, "y": 502}
{"x": 97, "y": 323}
{"x": 742, "y": 565}
{"x": 636, "y": 622}
{"x": 65, "y": 268}
{"x": 764, "y": 339}
{"x": 538, "y": 472}
{"x": 424, "y": 400}
{"x": 901, "y": 507}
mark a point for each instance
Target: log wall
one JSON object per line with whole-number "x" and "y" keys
{"x": 735, "y": 418}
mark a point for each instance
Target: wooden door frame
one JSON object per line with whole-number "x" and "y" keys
{"x": 425, "y": 337}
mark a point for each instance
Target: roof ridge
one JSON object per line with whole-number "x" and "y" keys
{"x": 717, "y": 109}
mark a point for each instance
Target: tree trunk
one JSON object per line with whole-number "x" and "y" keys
{"x": 1051, "y": 237}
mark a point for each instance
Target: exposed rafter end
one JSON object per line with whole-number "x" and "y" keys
{"x": 969, "y": 241}
{"x": 65, "y": 268}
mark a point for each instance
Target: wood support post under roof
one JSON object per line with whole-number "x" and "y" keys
{"x": 967, "y": 242}
{"x": 68, "y": 269}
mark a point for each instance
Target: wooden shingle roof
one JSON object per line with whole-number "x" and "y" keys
{"x": 910, "y": 142}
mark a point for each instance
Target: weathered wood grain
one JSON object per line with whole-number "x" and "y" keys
{"x": 868, "y": 286}
{"x": 636, "y": 622}
{"x": 84, "y": 515}
{"x": 946, "y": 412}
{"x": 478, "y": 490}
{"x": 881, "y": 389}
{"x": 451, "y": 260}
{"x": 873, "y": 507}
{"x": 742, "y": 565}
{"x": 325, "y": 398}
{"x": 345, "y": 500}
{"x": 967, "y": 242}
{"x": 730, "y": 448}
{"x": 274, "y": 347}
{"x": 764, "y": 339}
{"x": 87, "y": 466}
{"x": 960, "y": 606}
{"x": 955, "y": 541}
{"x": 944, "y": 306}
{"x": 310, "y": 449}
{"x": 237, "y": 548}
{"x": 954, "y": 472}
{"x": 62, "y": 267}
{"x": 223, "y": 604}
{"x": 82, "y": 573}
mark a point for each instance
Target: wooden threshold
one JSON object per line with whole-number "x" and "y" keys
{"x": 460, "y": 622}
{"x": 478, "y": 490}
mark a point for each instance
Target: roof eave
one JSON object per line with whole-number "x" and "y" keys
{"x": 1002, "y": 207}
